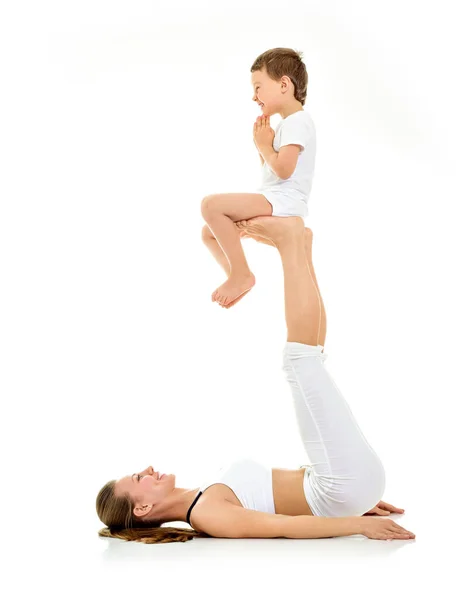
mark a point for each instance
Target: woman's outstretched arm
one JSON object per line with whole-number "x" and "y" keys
{"x": 230, "y": 521}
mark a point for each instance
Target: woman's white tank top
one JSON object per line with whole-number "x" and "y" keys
{"x": 250, "y": 481}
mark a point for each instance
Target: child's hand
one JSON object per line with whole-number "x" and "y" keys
{"x": 263, "y": 134}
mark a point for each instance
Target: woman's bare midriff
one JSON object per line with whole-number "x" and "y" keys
{"x": 288, "y": 492}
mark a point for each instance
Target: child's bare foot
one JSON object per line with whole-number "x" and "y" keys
{"x": 234, "y": 287}
{"x": 274, "y": 229}
{"x": 230, "y": 304}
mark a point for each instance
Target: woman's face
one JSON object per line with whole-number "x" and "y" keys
{"x": 146, "y": 487}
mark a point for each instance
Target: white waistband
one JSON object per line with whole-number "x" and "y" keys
{"x": 296, "y": 349}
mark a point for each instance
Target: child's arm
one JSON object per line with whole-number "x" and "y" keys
{"x": 262, "y": 159}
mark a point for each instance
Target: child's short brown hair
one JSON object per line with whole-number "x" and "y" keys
{"x": 285, "y": 61}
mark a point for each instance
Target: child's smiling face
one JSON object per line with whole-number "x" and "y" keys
{"x": 266, "y": 91}
{"x": 273, "y": 95}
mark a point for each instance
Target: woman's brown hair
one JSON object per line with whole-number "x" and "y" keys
{"x": 116, "y": 512}
{"x": 285, "y": 61}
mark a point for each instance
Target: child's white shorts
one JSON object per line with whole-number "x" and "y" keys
{"x": 285, "y": 206}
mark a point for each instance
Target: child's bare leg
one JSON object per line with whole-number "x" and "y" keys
{"x": 254, "y": 237}
{"x": 214, "y": 248}
{"x": 220, "y": 211}
{"x": 219, "y": 255}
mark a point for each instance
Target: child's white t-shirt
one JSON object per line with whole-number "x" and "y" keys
{"x": 297, "y": 128}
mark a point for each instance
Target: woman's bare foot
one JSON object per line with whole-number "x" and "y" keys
{"x": 308, "y": 237}
{"x": 274, "y": 229}
{"x": 233, "y": 288}
{"x": 242, "y": 226}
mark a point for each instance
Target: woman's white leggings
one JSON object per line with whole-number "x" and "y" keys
{"x": 345, "y": 477}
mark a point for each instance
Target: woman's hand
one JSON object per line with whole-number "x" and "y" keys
{"x": 382, "y": 508}
{"x": 263, "y": 134}
{"x": 384, "y": 529}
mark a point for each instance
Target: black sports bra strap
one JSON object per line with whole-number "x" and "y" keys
{"x": 191, "y": 507}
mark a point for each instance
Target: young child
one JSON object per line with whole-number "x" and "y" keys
{"x": 279, "y": 78}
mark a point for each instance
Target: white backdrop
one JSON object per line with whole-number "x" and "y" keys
{"x": 117, "y": 119}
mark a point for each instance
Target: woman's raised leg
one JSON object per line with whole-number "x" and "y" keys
{"x": 346, "y": 477}
{"x": 304, "y": 309}
{"x": 308, "y": 238}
